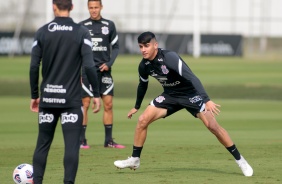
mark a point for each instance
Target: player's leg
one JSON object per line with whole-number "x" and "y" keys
{"x": 107, "y": 93}
{"x": 108, "y": 117}
{"x": 162, "y": 106}
{"x": 86, "y": 94}
{"x": 150, "y": 114}
{"x": 222, "y": 135}
{"x": 86, "y": 103}
{"x": 71, "y": 120}
{"x": 108, "y": 122}
{"x": 47, "y": 124}
{"x": 210, "y": 122}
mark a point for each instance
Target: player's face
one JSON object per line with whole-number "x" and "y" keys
{"x": 94, "y": 8}
{"x": 149, "y": 50}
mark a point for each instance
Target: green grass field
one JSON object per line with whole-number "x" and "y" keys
{"x": 179, "y": 149}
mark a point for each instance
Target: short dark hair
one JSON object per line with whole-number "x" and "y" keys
{"x": 95, "y": 0}
{"x": 146, "y": 37}
{"x": 63, "y": 4}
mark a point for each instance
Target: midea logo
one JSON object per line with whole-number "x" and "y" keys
{"x": 52, "y": 27}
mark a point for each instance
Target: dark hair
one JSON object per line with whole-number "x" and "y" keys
{"x": 95, "y": 0}
{"x": 146, "y": 37}
{"x": 63, "y": 4}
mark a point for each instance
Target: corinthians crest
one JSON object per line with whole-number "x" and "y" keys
{"x": 105, "y": 30}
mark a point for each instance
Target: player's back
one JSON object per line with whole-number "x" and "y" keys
{"x": 60, "y": 41}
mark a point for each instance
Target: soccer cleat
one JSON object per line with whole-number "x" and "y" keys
{"x": 112, "y": 144}
{"x": 245, "y": 167}
{"x": 84, "y": 145}
{"x": 131, "y": 162}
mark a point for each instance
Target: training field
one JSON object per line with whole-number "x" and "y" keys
{"x": 179, "y": 149}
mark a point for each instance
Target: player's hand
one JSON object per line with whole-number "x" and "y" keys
{"x": 34, "y": 105}
{"x": 212, "y": 107}
{"x": 131, "y": 112}
{"x": 104, "y": 67}
{"x": 96, "y": 105}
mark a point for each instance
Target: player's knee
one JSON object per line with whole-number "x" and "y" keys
{"x": 108, "y": 107}
{"x": 213, "y": 127}
{"x": 86, "y": 104}
{"x": 143, "y": 121}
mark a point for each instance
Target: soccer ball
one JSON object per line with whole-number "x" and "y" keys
{"x": 23, "y": 174}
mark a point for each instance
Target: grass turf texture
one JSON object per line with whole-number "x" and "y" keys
{"x": 179, "y": 149}
{"x": 224, "y": 78}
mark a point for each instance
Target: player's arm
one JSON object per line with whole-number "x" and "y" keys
{"x": 142, "y": 86}
{"x": 90, "y": 69}
{"x": 36, "y": 55}
{"x": 114, "y": 53}
{"x": 115, "y": 45}
{"x": 183, "y": 70}
{"x": 141, "y": 90}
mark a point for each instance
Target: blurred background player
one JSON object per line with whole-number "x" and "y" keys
{"x": 182, "y": 89}
{"x": 105, "y": 50}
{"x": 60, "y": 90}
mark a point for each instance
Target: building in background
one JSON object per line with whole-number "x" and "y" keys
{"x": 259, "y": 22}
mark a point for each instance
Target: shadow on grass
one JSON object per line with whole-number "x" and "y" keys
{"x": 174, "y": 170}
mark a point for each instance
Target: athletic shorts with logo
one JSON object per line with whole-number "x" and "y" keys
{"x": 69, "y": 117}
{"x": 106, "y": 85}
{"x": 193, "y": 103}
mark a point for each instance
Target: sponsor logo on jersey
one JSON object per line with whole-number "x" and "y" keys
{"x": 69, "y": 118}
{"x": 164, "y": 69}
{"x": 52, "y": 27}
{"x": 170, "y": 84}
{"x": 160, "y": 59}
{"x": 54, "y": 100}
{"x": 160, "y": 99}
{"x": 195, "y": 99}
{"x": 95, "y": 43}
{"x": 105, "y": 30}
{"x": 54, "y": 89}
{"x": 45, "y": 118}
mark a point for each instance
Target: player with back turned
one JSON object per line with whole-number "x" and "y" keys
{"x": 182, "y": 90}
{"x": 62, "y": 47}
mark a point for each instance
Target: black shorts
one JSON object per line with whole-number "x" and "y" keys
{"x": 106, "y": 84}
{"x": 193, "y": 103}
